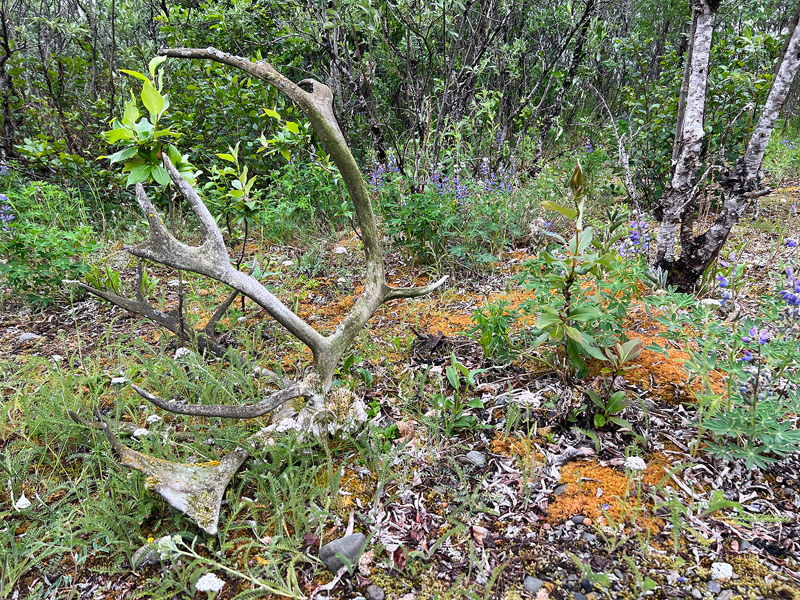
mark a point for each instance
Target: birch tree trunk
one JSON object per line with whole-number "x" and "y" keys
{"x": 681, "y": 191}
{"x": 742, "y": 183}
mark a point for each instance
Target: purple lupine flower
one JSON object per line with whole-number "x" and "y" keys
{"x": 791, "y": 243}
{"x": 6, "y": 213}
{"x": 747, "y": 356}
{"x": 3, "y": 170}
{"x": 763, "y": 336}
{"x": 751, "y": 335}
{"x": 723, "y": 281}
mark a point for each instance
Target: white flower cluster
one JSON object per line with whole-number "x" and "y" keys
{"x": 209, "y": 583}
{"x": 635, "y": 463}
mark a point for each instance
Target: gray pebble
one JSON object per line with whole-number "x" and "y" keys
{"x": 532, "y": 584}
{"x": 562, "y": 489}
{"x": 589, "y": 537}
{"x": 744, "y": 545}
{"x": 697, "y": 593}
{"x": 350, "y": 547}
{"x": 476, "y": 458}
{"x": 578, "y": 519}
{"x": 501, "y": 400}
{"x": 578, "y": 596}
{"x": 375, "y": 593}
{"x": 26, "y": 337}
{"x": 713, "y": 587}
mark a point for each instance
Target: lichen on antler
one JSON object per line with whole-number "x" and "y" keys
{"x": 197, "y": 489}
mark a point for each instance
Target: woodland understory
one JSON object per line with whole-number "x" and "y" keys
{"x": 382, "y": 301}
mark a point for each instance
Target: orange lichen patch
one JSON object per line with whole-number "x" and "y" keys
{"x": 602, "y": 494}
{"x": 664, "y": 375}
{"x": 581, "y": 498}
{"x": 521, "y": 447}
{"x": 658, "y": 465}
{"x": 353, "y": 487}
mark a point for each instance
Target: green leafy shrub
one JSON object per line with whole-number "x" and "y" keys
{"x": 38, "y": 253}
{"x": 491, "y": 325}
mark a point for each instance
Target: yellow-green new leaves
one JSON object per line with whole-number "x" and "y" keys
{"x": 142, "y": 158}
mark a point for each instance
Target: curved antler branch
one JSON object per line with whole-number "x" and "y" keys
{"x": 247, "y": 411}
{"x": 194, "y": 489}
{"x": 413, "y": 292}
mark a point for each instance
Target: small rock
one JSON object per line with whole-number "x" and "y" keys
{"x": 589, "y": 537}
{"x": 532, "y": 584}
{"x": 119, "y": 380}
{"x": 340, "y": 250}
{"x": 713, "y": 587}
{"x": 22, "y": 503}
{"x": 359, "y": 598}
{"x": 697, "y": 593}
{"x": 476, "y": 458}
{"x": 726, "y": 595}
{"x": 341, "y": 281}
{"x": 578, "y": 519}
{"x": 560, "y": 490}
{"x": 287, "y": 263}
{"x": 711, "y": 302}
{"x": 350, "y": 547}
{"x": 26, "y": 337}
{"x": 744, "y": 546}
{"x": 587, "y": 522}
{"x": 578, "y": 596}
{"x": 586, "y": 586}
{"x": 721, "y": 571}
{"x": 501, "y": 400}
{"x": 375, "y": 593}
{"x": 57, "y": 357}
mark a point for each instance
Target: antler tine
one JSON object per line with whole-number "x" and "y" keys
{"x": 212, "y": 234}
{"x": 414, "y": 292}
{"x": 247, "y": 411}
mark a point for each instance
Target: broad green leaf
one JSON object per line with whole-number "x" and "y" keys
{"x": 587, "y": 343}
{"x": 155, "y": 63}
{"x": 584, "y": 314}
{"x": 570, "y": 213}
{"x": 135, "y": 74}
{"x": 160, "y": 174}
{"x": 145, "y": 130}
{"x": 599, "y": 420}
{"x": 272, "y": 114}
{"x": 115, "y": 135}
{"x": 286, "y": 155}
{"x": 292, "y": 126}
{"x": 174, "y": 155}
{"x": 123, "y": 154}
{"x": 131, "y": 114}
{"x": 547, "y": 319}
{"x": 139, "y": 174}
{"x": 227, "y": 157}
{"x": 152, "y": 99}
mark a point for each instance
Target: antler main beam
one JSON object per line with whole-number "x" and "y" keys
{"x": 197, "y": 489}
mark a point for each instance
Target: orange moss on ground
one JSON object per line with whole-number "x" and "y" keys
{"x": 664, "y": 376}
{"x": 602, "y": 494}
{"x": 521, "y": 447}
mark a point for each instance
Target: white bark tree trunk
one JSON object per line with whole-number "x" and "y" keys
{"x": 743, "y": 182}
{"x": 684, "y": 174}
